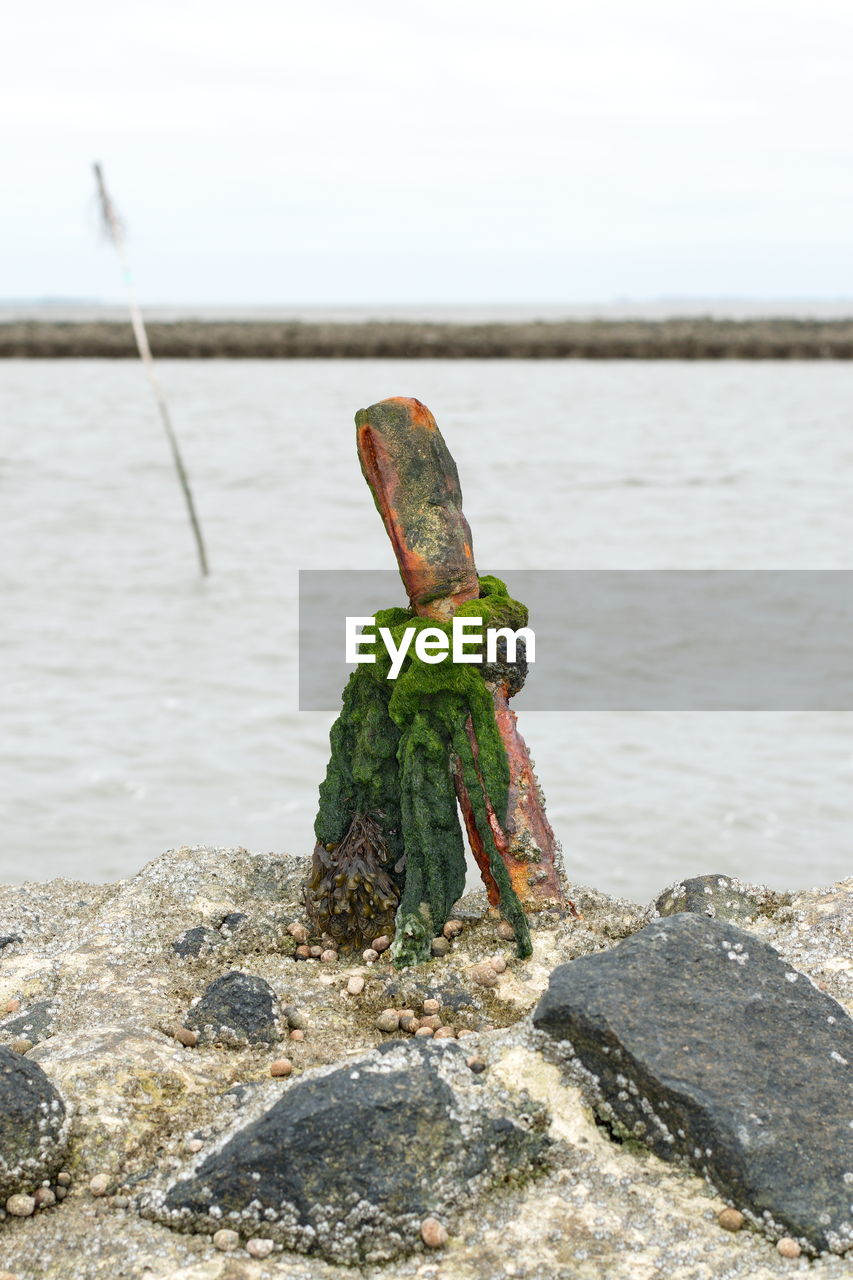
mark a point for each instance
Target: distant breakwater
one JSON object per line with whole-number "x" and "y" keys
{"x": 674, "y": 339}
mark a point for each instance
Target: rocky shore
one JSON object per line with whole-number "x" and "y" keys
{"x": 193, "y": 1087}
{"x": 686, "y": 338}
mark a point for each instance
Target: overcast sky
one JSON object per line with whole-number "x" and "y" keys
{"x": 412, "y": 151}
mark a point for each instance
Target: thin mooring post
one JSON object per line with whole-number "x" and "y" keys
{"x": 114, "y": 230}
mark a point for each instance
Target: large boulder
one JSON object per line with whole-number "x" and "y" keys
{"x": 349, "y": 1161}
{"x": 699, "y": 1040}
{"x": 33, "y": 1125}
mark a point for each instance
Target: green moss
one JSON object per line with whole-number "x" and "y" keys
{"x": 393, "y": 748}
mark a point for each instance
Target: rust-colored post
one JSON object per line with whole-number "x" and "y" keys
{"x": 415, "y": 486}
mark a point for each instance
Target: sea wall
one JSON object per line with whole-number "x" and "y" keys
{"x": 674, "y": 339}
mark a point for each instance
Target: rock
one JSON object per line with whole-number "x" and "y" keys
{"x": 731, "y": 1219}
{"x": 506, "y": 931}
{"x": 788, "y": 1248}
{"x": 21, "y": 1206}
{"x": 431, "y": 1006}
{"x": 351, "y": 1159}
{"x": 226, "y": 1240}
{"x": 296, "y": 1020}
{"x": 259, "y": 1247}
{"x": 195, "y": 942}
{"x": 34, "y": 1024}
{"x": 370, "y": 955}
{"x": 189, "y": 1039}
{"x": 33, "y": 1125}
{"x": 484, "y": 975}
{"x": 388, "y": 1020}
{"x": 236, "y": 1009}
{"x": 232, "y": 922}
{"x": 433, "y": 1233}
{"x": 99, "y": 1185}
{"x": 355, "y": 985}
{"x": 281, "y": 1068}
{"x": 380, "y": 944}
{"x": 7, "y": 939}
{"x": 124, "y": 1086}
{"x": 698, "y": 1039}
{"x": 440, "y": 947}
{"x": 44, "y": 1197}
{"x": 721, "y": 897}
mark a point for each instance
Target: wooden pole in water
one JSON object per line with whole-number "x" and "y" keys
{"x": 115, "y": 231}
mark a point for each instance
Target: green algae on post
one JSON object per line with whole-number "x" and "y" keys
{"x": 405, "y": 750}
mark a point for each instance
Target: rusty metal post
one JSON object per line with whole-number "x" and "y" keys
{"x": 415, "y": 486}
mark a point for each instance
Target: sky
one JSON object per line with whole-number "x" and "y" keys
{"x": 430, "y": 151}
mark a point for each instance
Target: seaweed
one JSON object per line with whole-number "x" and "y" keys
{"x": 388, "y": 833}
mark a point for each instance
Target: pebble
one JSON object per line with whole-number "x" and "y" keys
{"x": 424, "y": 1033}
{"x": 388, "y": 1020}
{"x": 477, "y": 1065}
{"x": 121, "y": 1202}
{"x": 484, "y": 975}
{"x": 64, "y": 1178}
{"x": 315, "y": 952}
{"x": 431, "y": 1020}
{"x": 466, "y": 1031}
{"x": 226, "y": 1240}
{"x": 61, "y": 1193}
{"x": 281, "y": 1067}
{"x": 259, "y": 1247}
{"x": 380, "y": 944}
{"x": 408, "y": 1022}
{"x": 498, "y": 964}
{"x": 44, "y": 1198}
{"x": 440, "y": 947}
{"x": 788, "y": 1248}
{"x": 370, "y": 956}
{"x": 329, "y": 956}
{"x": 355, "y": 986}
{"x": 295, "y": 1019}
{"x": 298, "y": 931}
{"x": 13, "y": 1005}
{"x": 303, "y": 952}
{"x": 406, "y": 1013}
{"x": 506, "y": 931}
{"x": 99, "y": 1185}
{"x": 297, "y": 1035}
{"x": 452, "y": 929}
{"x": 431, "y": 1006}
{"x": 445, "y": 1033}
{"x": 730, "y": 1219}
{"x": 186, "y": 1037}
{"x": 193, "y": 1145}
{"x": 433, "y": 1233}
{"x": 20, "y": 1206}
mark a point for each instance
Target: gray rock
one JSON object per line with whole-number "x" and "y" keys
{"x": 349, "y": 1161}
{"x": 33, "y": 1125}
{"x": 237, "y": 1008}
{"x": 721, "y": 897}
{"x": 232, "y": 922}
{"x": 193, "y": 942}
{"x": 34, "y": 1024}
{"x": 7, "y": 939}
{"x": 698, "y": 1040}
